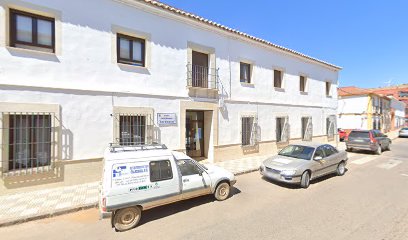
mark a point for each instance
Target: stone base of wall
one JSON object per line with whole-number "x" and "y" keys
{"x": 66, "y": 173}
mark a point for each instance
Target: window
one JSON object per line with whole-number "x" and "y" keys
{"x": 132, "y": 130}
{"x": 188, "y": 168}
{"x": 330, "y": 126}
{"x": 32, "y": 31}
{"x": 329, "y": 150}
{"x": 302, "y": 84}
{"x": 248, "y": 131}
{"x": 277, "y": 78}
{"x": 245, "y": 72}
{"x": 319, "y": 153}
{"x": 282, "y": 129}
{"x": 130, "y": 50}
{"x": 30, "y": 141}
{"x": 160, "y": 171}
{"x": 307, "y": 129}
{"x": 328, "y": 89}
{"x": 403, "y": 94}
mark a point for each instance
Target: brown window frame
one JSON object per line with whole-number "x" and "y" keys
{"x": 35, "y": 17}
{"x": 275, "y": 78}
{"x": 241, "y": 79}
{"x": 302, "y": 83}
{"x": 130, "y": 60}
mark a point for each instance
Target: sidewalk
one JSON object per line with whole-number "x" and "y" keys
{"x": 27, "y": 206}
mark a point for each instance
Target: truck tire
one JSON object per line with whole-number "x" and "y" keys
{"x": 126, "y": 218}
{"x": 222, "y": 191}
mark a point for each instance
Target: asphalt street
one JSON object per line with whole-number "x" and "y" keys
{"x": 369, "y": 202}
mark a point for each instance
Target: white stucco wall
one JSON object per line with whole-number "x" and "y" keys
{"x": 85, "y": 80}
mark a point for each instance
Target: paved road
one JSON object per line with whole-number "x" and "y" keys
{"x": 369, "y": 202}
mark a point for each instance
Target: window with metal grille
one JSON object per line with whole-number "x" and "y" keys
{"x": 132, "y": 130}
{"x": 130, "y": 50}
{"x": 302, "y": 83}
{"x": 247, "y": 131}
{"x": 160, "y": 171}
{"x": 32, "y": 31}
{"x": 307, "y": 129}
{"x": 277, "y": 78}
{"x": 29, "y": 140}
{"x": 282, "y": 129}
{"x": 245, "y": 72}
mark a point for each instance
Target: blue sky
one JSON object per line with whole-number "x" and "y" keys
{"x": 369, "y": 39}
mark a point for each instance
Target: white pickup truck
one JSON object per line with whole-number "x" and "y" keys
{"x": 136, "y": 178}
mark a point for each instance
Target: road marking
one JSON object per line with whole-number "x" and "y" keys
{"x": 390, "y": 164}
{"x": 364, "y": 160}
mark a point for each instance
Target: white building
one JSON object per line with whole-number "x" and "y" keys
{"x": 78, "y": 75}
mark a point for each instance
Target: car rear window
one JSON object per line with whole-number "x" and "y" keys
{"x": 358, "y": 134}
{"x": 405, "y": 129}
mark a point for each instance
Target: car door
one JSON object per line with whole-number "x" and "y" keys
{"x": 332, "y": 158}
{"x": 380, "y": 138}
{"x": 318, "y": 165}
{"x": 194, "y": 180}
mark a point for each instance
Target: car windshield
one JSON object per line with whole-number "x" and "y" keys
{"x": 405, "y": 129}
{"x": 297, "y": 151}
{"x": 357, "y": 134}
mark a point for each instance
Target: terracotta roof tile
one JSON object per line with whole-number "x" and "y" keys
{"x": 228, "y": 29}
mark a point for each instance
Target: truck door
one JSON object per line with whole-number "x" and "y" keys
{"x": 195, "y": 181}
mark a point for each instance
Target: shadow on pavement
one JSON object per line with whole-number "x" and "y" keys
{"x": 297, "y": 186}
{"x": 174, "y": 208}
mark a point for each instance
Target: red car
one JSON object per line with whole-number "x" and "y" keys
{"x": 342, "y": 134}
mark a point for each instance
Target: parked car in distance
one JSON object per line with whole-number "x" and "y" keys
{"x": 371, "y": 140}
{"x": 403, "y": 132}
{"x": 300, "y": 163}
{"x": 136, "y": 178}
{"x": 342, "y": 134}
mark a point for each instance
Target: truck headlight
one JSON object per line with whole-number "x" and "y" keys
{"x": 288, "y": 172}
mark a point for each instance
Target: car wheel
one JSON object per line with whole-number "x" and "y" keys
{"x": 388, "y": 147}
{"x": 222, "y": 191}
{"x": 349, "y": 149}
{"x": 126, "y": 218}
{"x": 305, "y": 180}
{"x": 379, "y": 150}
{"x": 341, "y": 169}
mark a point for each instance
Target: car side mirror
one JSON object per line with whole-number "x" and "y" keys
{"x": 318, "y": 158}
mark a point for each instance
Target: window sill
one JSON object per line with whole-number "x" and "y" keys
{"x": 133, "y": 68}
{"x": 304, "y": 93}
{"x": 244, "y": 84}
{"x": 39, "y": 53}
{"x": 328, "y": 96}
{"x": 278, "y": 89}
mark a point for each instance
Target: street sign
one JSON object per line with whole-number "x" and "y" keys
{"x": 166, "y": 119}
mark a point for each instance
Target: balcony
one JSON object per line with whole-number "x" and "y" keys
{"x": 202, "y": 81}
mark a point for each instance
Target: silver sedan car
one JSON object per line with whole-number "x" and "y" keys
{"x": 300, "y": 163}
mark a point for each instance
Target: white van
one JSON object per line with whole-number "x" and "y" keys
{"x": 137, "y": 178}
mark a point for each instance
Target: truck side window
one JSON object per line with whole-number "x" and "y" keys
{"x": 187, "y": 167}
{"x": 160, "y": 170}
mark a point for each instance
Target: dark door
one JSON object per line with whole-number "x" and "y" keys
{"x": 200, "y": 70}
{"x": 195, "y": 133}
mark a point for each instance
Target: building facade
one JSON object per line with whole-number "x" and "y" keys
{"x": 399, "y": 92}
{"x": 363, "y": 109}
{"x": 139, "y": 72}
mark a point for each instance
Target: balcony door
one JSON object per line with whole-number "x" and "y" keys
{"x": 200, "y": 70}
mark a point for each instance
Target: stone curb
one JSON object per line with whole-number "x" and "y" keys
{"x": 63, "y": 211}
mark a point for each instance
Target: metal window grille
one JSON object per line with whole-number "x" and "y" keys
{"x": 249, "y": 131}
{"x": 202, "y": 77}
{"x": 330, "y": 127}
{"x": 133, "y": 129}
{"x": 27, "y": 142}
{"x": 307, "y": 129}
{"x": 282, "y": 129}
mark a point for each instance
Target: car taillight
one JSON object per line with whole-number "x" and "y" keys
{"x": 104, "y": 204}
{"x": 372, "y": 139}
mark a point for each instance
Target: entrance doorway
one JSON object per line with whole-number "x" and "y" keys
{"x": 195, "y": 133}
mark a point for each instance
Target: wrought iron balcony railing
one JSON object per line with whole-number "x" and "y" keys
{"x": 202, "y": 77}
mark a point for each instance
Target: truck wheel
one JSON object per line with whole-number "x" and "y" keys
{"x": 222, "y": 191}
{"x": 126, "y": 218}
